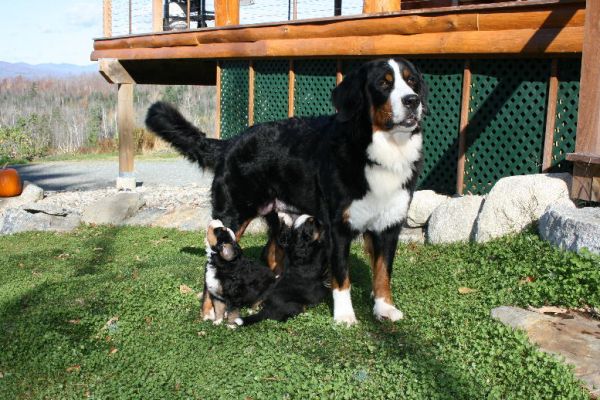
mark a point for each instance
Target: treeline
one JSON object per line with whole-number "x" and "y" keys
{"x": 57, "y": 116}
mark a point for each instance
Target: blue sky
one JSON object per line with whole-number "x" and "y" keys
{"x": 49, "y": 31}
{"x": 61, "y": 31}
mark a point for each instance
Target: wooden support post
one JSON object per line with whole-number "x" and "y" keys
{"x": 218, "y": 105}
{"x": 157, "y": 15}
{"x": 107, "y": 18}
{"x": 227, "y": 12}
{"x": 586, "y": 171}
{"x": 251, "y": 93}
{"x": 130, "y": 18}
{"x": 337, "y": 8}
{"x": 125, "y": 126}
{"x": 187, "y": 14}
{"x": 464, "y": 123}
{"x": 378, "y": 6}
{"x": 291, "y": 84}
{"x": 550, "y": 116}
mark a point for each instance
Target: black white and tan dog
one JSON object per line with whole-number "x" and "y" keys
{"x": 355, "y": 171}
{"x": 305, "y": 279}
{"x": 232, "y": 280}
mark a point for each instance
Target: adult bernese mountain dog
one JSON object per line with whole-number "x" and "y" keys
{"x": 305, "y": 279}
{"x": 355, "y": 171}
{"x": 232, "y": 281}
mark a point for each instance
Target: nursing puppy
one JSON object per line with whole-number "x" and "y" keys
{"x": 232, "y": 281}
{"x": 304, "y": 273}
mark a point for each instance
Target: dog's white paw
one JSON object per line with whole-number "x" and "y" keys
{"x": 239, "y": 321}
{"x": 210, "y": 316}
{"x": 383, "y": 310}
{"x": 345, "y": 319}
{"x": 218, "y": 321}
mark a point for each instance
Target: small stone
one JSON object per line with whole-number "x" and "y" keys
{"x": 113, "y": 210}
{"x": 454, "y": 220}
{"x": 422, "y": 205}
{"x": 258, "y": 225}
{"x": 571, "y": 228}
{"x": 515, "y": 202}
{"x": 411, "y": 235}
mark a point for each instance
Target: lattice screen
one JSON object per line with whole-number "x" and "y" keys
{"x": 569, "y": 73}
{"x": 234, "y": 97}
{"x": 270, "y": 90}
{"x": 507, "y": 119}
{"x": 315, "y": 79}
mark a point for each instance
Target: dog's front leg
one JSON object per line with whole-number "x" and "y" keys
{"x": 381, "y": 248}
{"x": 343, "y": 312}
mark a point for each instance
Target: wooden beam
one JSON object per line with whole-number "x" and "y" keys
{"x": 587, "y": 174}
{"x": 251, "y": 93}
{"x": 125, "y": 127}
{"x": 218, "y": 105}
{"x": 380, "y": 6}
{"x": 291, "y": 86}
{"x": 464, "y": 124}
{"x": 570, "y": 15}
{"x": 550, "y": 116}
{"x": 227, "y": 12}
{"x": 525, "y": 42}
{"x": 107, "y": 18}
{"x": 112, "y": 70}
{"x": 157, "y": 15}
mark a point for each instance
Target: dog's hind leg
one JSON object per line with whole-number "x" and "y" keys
{"x": 208, "y": 311}
{"x": 381, "y": 248}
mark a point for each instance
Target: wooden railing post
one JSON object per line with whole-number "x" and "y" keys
{"x": 125, "y": 127}
{"x": 586, "y": 159}
{"x": 377, "y": 6}
{"x": 227, "y": 12}
{"x": 157, "y": 15}
{"x": 107, "y": 18}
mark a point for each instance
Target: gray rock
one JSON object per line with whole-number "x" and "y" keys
{"x": 145, "y": 217}
{"x": 411, "y": 235}
{"x": 113, "y": 210}
{"x": 185, "y": 218}
{"x": 577, "y": 339}
{"x": 258, "y": 225}
{"x": 421, "y": 207}
{"x": 49, "y": 209}
{"x": 516, "y": 202}
{"x": 31, "y": 193}
{"x": 454, "y": 220}
{"x": 571, "y": 228}
{"x": 17, "y": 220}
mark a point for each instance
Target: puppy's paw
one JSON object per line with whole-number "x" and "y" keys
{"x": 218, "y": 321}
{"x": 239, "y": 322}
{"x": 210, "y": 316}
{"x": 345, "y": 319}
{"x": 383, "y": 310}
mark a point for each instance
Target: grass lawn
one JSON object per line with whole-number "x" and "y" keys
{"x": 99, "y": 313}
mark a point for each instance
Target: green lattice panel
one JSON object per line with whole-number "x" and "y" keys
{"x": 441, "y": 126}
{"x": 569, "y": 74}
{"x": 315, "y": 79}
{"x": 270, "y": 90}
{"x": 234, "y": 97}
{"x": 507, "y": 118}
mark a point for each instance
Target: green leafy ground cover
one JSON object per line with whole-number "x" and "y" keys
{"x": 100, "y": 314}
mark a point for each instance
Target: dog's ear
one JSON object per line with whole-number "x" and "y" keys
{"x": 348, "y": 97}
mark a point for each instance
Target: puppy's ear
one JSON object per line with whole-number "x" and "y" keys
{"x": 348, "y": 97}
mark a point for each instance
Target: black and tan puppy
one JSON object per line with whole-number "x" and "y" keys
{"x": 231, "y": 280}
{"x": 305, "y": 275}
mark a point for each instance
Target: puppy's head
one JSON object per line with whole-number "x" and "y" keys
{"x": 390, "y": 91}
{"x": 303, "y": 238}
{"x": 221, "y": 241}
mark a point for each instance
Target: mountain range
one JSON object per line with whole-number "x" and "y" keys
{"x": 29, "y": 71}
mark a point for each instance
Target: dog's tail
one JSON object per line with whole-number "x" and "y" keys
{"x": 168, "y": 123}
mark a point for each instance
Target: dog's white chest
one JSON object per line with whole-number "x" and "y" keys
{"x": 213, "y": 285}
{"x": 387, "y": 200}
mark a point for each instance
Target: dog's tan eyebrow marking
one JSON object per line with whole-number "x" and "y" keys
{"x": 389, "y": 77}
{"x": 406, "y": 73}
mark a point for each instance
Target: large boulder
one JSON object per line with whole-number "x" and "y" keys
{"x": 571, "y": 228}
{"x": 421, "y": 207}
{"x": 113, "y": 210}
{"x": 16, "y": 220}
{"x": 516, "y": 202}
{"x": 30, "y": 194}
{"x": 186, "y": 218}
{"x": 454, "y": 220}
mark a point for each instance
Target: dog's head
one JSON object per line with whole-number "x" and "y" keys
{"x": 390, "y": 92}
{"x": 302, "y": 238}
{"x": 221, "y": 241}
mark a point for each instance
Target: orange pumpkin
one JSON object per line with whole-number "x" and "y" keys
{"x": 10, "y": 182}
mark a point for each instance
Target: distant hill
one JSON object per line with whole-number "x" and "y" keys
{"x": 29, "y": 71}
